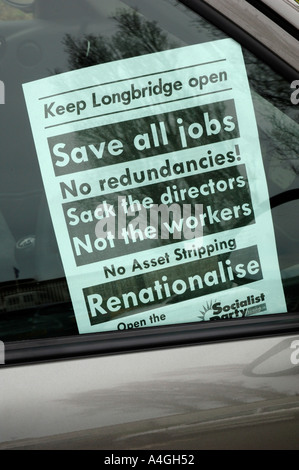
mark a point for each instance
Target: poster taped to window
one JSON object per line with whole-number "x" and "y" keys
{"x": 155, "y": 182}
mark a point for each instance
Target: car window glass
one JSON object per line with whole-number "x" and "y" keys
{"x": 34, "y": 295}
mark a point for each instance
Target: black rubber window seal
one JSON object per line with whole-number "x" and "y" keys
{"x": 152, "y": 338}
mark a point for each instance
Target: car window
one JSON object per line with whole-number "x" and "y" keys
{"x": 233, "y": 254}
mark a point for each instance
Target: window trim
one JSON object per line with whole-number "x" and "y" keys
{"x": 215, "y": 12}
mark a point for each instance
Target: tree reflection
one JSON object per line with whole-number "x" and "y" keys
{"x": 134, "y": 36}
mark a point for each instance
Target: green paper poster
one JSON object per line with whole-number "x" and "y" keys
{"x": 156, "y": 187}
